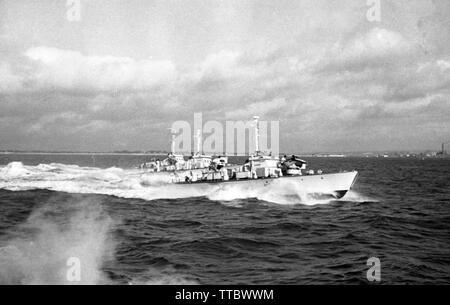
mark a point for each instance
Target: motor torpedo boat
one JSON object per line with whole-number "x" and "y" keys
{"x": 263, "y": 169}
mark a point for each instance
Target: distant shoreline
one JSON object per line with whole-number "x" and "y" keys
{"x": 82, "y": 153}
{"x": 318, "y": 155}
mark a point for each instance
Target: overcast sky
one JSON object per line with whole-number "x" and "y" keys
{"x": 119, "y": 77}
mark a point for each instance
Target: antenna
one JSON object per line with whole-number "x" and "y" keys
{"x": 256, "y": 120}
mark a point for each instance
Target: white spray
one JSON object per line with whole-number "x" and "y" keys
{"x": 41, "y": 254}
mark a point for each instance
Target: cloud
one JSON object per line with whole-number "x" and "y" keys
{"x": 334, "y": 91}
{"x": 444, "y": 65}
{"x": 221, "y": 65}
{"x": 9, "y": 81}
{"x": 264, "y": 109}
{"x": 56, "y": 69}
{"x": 378, "y": 42}
{"x": 375, "y": 48}
{"x": 330, "y": 76}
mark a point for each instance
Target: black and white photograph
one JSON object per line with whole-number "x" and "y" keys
{"x": 229, "y": 144}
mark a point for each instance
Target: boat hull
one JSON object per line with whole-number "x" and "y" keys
{"x": 334, "y": 185}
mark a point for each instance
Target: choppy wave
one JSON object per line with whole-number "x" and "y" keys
{"x": 230, "y": 240}
{"x": 40, "y": 252}
{"x": 133, "y": 183}
{"x": 125, "y": 183}
{"x": 162, "y": 277}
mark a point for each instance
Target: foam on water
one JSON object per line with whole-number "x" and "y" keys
{"x": 40, "y": 252}
{"x": 357, "y": 197}
{"x": 208, "y": 243}
{"x": 133, "y": 183}
{"x": 15, "y": 170}
{"x": 285, "y": 193}
{"x": 162, "y": 277}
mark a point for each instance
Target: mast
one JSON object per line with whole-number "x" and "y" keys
{"x": 173, "y": 144}
{"x": 172, "y": 141}
{"x": 256, "y": 120}
{"x": 199, "y": 141}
